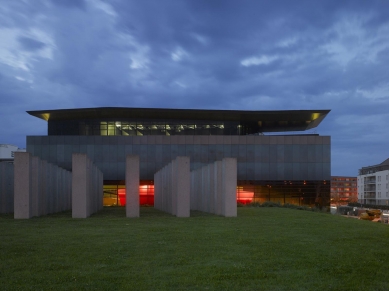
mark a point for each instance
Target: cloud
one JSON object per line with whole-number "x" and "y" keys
{"x": 255, "y": 61}
{"x": 178, "y": 54}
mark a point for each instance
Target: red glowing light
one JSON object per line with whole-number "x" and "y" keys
{"x": 244, "y": 197}
{"x": 146, "y": 195}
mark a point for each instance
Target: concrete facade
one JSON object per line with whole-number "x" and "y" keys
{"x": 213, "y": 188}
{"x": 6, "y": 187}
{"x": 277, "y": 158}
{"x": 40, "y": 188}
{"x": 87, "y": 187}
{"x": 132, "y": 186}
{"x": 172, "y": 188}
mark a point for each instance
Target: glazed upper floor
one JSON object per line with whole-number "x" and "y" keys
{"x": 110, "y": 121}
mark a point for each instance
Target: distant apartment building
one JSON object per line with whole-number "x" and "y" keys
{"x": 7, "y": 152}
{"x": 343, "y": 190}
{"x": 373, "y": 184}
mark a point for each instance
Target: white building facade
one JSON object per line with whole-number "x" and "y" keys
{"x": 373, "y": 184}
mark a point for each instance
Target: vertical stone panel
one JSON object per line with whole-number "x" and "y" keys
{"x": 43, "y": 208}
{"x": 41, "y": 187}
{"x": 79, "y": 186}
{"x": 218, "y": 187}
{"x": 229, "y": 178}
{"x": 22, "y": 186}
{"x": 214, "y": 188}
{"x": 35, "y": 186}
{"x": 172, "y": 188}
{"x": 182, "y": 181}
{"x": 132, "y": 186}
{"x": 87, "y": 184}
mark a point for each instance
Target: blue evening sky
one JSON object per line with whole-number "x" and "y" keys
{"x": 206, "y": 54}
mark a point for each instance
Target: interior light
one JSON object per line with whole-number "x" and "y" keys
{"x": 46, "y": 116}
{"x": 315, "y": 116}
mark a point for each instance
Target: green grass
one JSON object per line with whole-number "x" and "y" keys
{"x": 262, "y": 249}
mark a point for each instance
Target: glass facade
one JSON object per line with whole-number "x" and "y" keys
{"x": 307, "y": 193}
{"x": 311, "y": 193}
{"x": 128, "y": 127}
{"x": 115, "y": 193}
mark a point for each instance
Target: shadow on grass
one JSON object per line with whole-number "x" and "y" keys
{"x": 113, "y": 212}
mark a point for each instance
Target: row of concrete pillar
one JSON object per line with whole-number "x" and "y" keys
{"x": 209, "y": 189}
{"x": 172, "y": 188}
{"x": 40, "y": 188}
{"x": 213, "y": 188}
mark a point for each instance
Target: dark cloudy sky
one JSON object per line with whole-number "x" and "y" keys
{"x": 216, "y": 54}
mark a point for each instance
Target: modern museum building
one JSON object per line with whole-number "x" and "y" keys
{"x": 279, "y": 157}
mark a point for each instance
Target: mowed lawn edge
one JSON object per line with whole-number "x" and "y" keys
{"x": 261, "y": 249}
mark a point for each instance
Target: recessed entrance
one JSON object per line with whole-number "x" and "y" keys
{"x": 115, "y": 193}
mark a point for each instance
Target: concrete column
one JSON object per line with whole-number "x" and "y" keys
{"x": 211, "y": 187}
{"x": 218, "y": 187}
{"x": 173, "y": 186}
{"x": 132, "y": 186}
{"x": 22, "y": 186}
{"x": 229, "y": 177}
{"x": 43, "y": 206}
{"x": 49, "y": 188}
{"x": 35, "y": 186}
{"x": 182, "y": 181}
{"x": 79, "y": 186}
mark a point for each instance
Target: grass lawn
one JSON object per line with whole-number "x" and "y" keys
{"x": 261, "y": 249}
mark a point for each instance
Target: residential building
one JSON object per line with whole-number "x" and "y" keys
{"x": 7, "y": 152}
{"x": 343, "y": 190}
{"x": 373, "y": 184}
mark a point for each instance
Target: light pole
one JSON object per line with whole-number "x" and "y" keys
{"x": 268, "y": 187}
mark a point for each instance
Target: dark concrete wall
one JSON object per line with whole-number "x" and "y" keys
{"x": 297, "y": 157}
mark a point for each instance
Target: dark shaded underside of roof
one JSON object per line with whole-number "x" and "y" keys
{"x": 272, "y": 120}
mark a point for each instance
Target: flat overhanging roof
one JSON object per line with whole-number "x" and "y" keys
{"x": 267, "y": 121}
